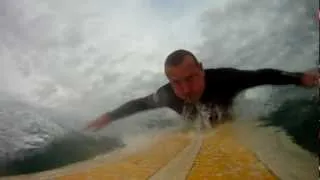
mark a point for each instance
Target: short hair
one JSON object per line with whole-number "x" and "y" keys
{"x": 176, "y": 57}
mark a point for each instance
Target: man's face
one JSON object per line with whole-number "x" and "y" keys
{"x": 187, "y": 79}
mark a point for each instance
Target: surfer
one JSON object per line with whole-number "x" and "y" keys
{"x": 191, "y": 85}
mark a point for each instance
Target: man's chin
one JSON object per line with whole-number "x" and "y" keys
{"x": 191, "y": 100}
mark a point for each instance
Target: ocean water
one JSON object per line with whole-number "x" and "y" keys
{"x": 62, "y": 67}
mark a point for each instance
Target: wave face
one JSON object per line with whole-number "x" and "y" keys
{"x": 64, "y": 63}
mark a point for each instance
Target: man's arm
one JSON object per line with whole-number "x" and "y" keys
{"x": 244, "y": 79}
{"x": 134, "y": 106}
{"x": 151, "y": 101}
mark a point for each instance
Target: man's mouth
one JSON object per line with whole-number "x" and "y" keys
{"x": 190, "y": 99}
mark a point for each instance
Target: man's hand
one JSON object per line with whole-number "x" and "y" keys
{"x": 311, "y": 79}
{"x": 99, "y": 123}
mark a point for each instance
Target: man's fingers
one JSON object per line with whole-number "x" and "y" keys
{"x": 91, "y": 125}
{"x": 312, "y": 79}
{"x": 98, "y": 123}
{"x": 95, "y": 126}
{"x": 316, "y": 79}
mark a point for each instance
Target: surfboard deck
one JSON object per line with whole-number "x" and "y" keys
{"x": 214, "y": 154}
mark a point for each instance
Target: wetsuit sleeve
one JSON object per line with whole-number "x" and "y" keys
{"x": 149, "y": 102}
{"x": 250, "y": 78}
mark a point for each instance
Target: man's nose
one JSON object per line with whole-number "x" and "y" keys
{"x": 185, "y": 88}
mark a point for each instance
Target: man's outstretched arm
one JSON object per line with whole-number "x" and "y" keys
{"x": 152, "y": 101}
{"x": 243, "y": 79}
{"x": 134, "y": 106}
{"x": 251, "y": 78}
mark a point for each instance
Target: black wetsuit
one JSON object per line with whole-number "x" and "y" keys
{"x": 222, "y": 86}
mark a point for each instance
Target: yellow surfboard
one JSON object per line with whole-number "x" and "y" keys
{"x": 214, "y": 154}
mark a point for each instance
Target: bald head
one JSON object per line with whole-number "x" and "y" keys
{"x": 177, "y": 57}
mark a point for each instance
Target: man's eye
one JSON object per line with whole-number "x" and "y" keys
{"x": 175, "y": 82}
